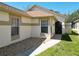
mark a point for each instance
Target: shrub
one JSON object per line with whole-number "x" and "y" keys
{"x": 72, "y": 32}
{"x": 66, "y": 37}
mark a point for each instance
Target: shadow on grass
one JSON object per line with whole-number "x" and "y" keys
{"x": 73, "y": 33}
{"x": 66, "y": 37}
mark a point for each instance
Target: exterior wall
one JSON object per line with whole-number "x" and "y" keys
{"x": 36, "y": 28}
{"x": 25, "y": 31}
{"x": 67, "y": 27}
{"x": 77, "y": 25}
{"x": 4, "y": 16}
{"x": 5, "y": 35}
{"x": 5, "y": 30}
{"x": 35, "y": 31}
{"x": 25, "y": 20}
{"x": 60, "y": 18}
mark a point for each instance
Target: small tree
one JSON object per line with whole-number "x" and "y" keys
{"x": 73, "y": 16}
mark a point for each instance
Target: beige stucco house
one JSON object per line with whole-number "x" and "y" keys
{"x": 17, "y": 25}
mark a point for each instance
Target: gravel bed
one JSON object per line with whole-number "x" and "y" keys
{"x": 15, "y": 48}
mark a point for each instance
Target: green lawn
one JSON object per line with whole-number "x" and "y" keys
{"x": 69, "y": 46}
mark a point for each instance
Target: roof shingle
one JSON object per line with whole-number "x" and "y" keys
{"x": 38, "y": 14}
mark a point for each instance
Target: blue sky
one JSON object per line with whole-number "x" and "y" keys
{"x": 62, "y": 7}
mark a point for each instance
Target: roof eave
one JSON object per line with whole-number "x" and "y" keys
{"x": 6, "y": 8}
{"x": 41, "y": 16}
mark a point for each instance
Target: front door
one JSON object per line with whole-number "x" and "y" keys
{"x": 58, "y": 27}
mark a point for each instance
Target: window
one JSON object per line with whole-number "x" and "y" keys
{"x": 44, "y": 26}
{"x": 14, "y": 26}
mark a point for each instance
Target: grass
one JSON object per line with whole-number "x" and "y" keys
{"x": 69, "y": 46}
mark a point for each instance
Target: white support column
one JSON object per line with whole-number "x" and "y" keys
{"x": 53, "y": 26}
{"x": 63, "y": 27}
{"x": 50, "y": 28}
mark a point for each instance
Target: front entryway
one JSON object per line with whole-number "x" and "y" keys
{"x": 58, "y": 27}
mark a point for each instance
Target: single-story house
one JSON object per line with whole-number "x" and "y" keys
{"x": 17, "y": 25}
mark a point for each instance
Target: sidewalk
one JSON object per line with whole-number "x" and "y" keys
{"x": 44, "y": 46}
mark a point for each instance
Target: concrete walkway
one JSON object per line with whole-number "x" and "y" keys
{"x": 56, "y": 39}
{"x": 40, "y": 48}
